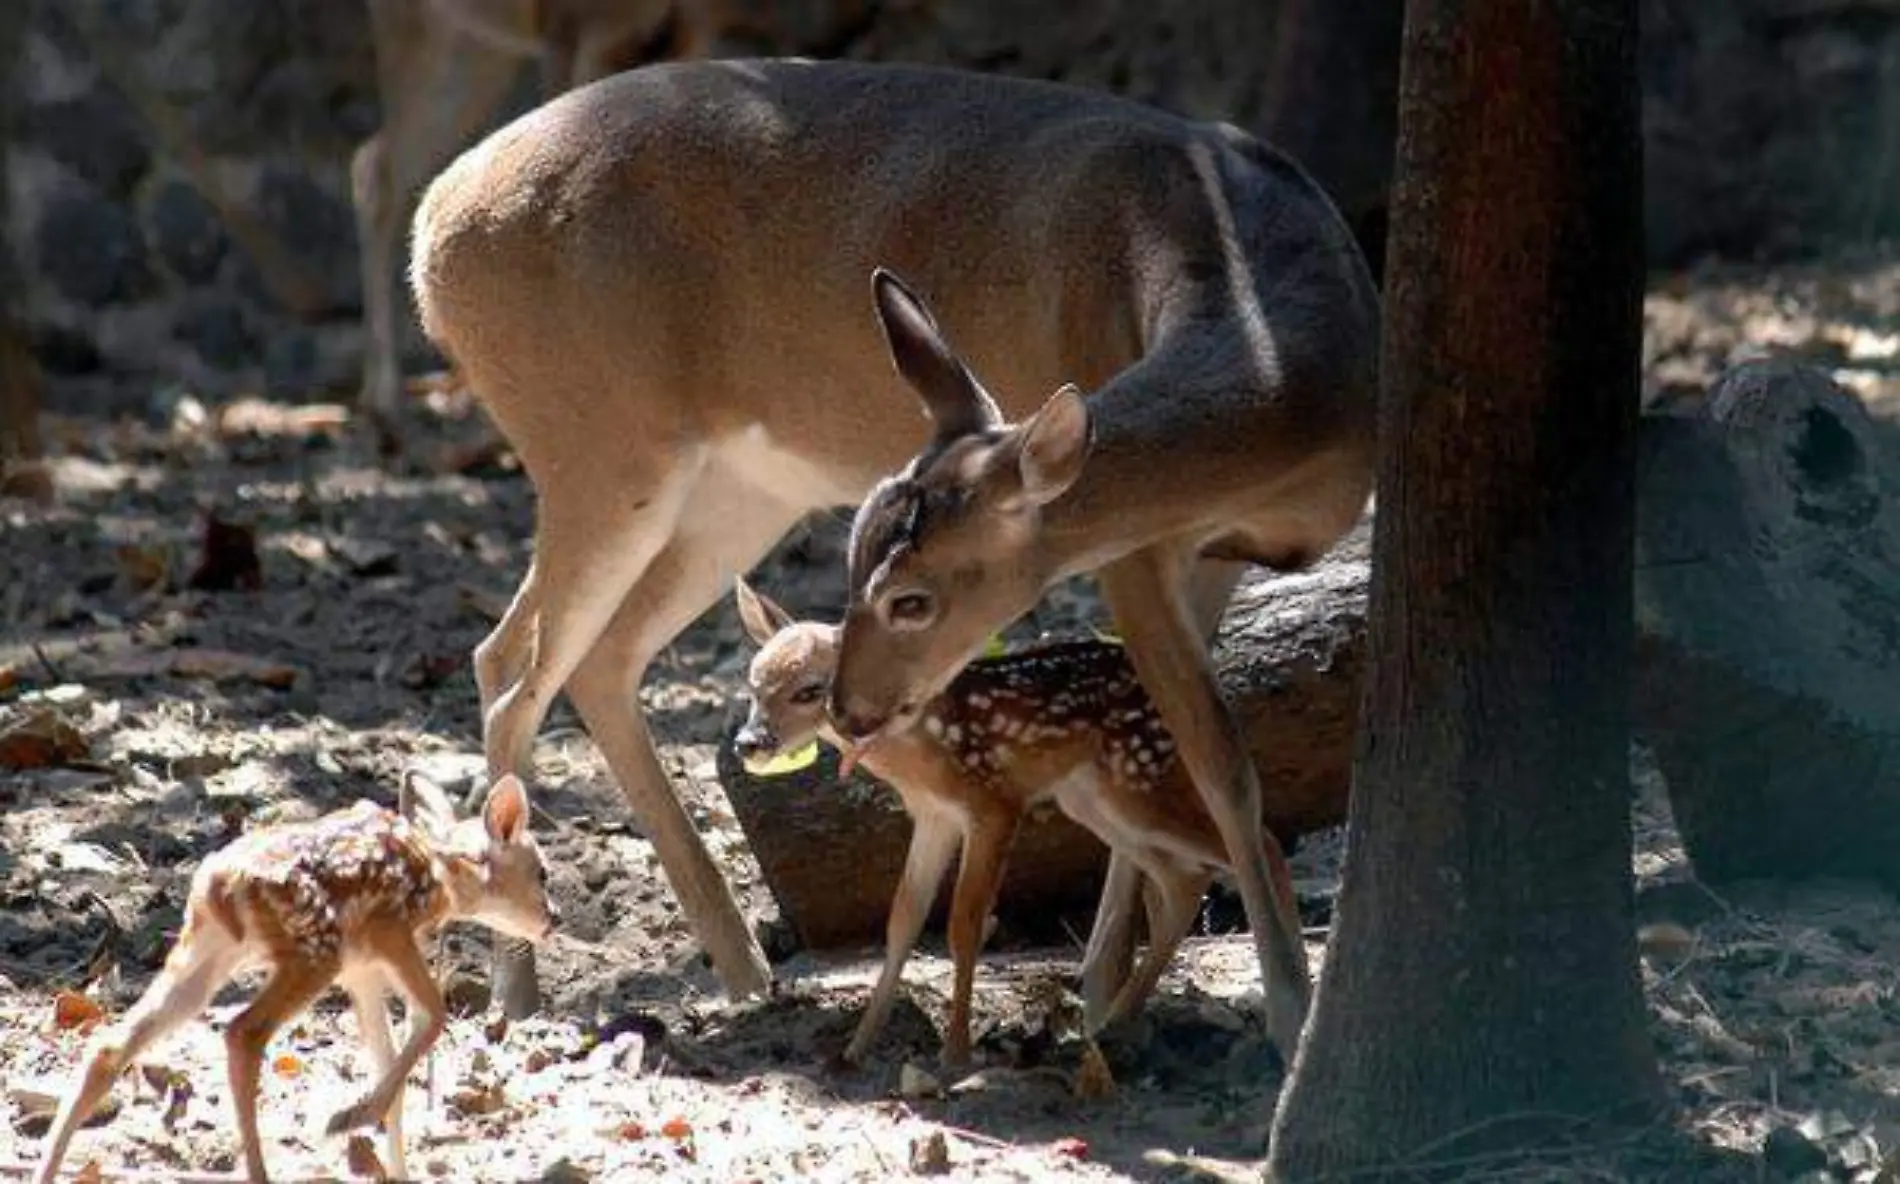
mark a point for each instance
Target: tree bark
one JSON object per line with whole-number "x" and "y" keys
{"x": 1768, "y": 594}
{"x": 1481, "y": 990}
{"x": 20, "y": 471}
{"x": 1289, "y": 656}
{"x": 1333, "y": 104}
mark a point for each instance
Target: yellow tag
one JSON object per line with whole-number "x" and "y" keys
{"x": 784, "y": 762}
{"x": 1110, "y": 638}
{"x": 997, "y": 647}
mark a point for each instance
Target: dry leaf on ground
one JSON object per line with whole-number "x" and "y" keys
{"x": 74, "y": 1011}
{"x": 41, "y": 739}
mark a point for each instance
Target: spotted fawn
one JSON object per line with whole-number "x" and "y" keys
{"x": 341, "y": 899}
{"x": 1064, "y": 721}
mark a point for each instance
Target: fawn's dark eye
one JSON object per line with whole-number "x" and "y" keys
{"x": 808, "y": 694}
{"x": 909, "y": 609}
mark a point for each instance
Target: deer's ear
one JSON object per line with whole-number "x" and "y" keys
{"x": 759, "y": 613}
{"x": 505, "y": 814}
{"x": 955, "y": 401}
{"x": 423, "y": 803}
{"x": 1054, "y": 444}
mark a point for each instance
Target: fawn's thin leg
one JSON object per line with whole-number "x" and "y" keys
{"x": 404, "y": 964}
{"x": 198, "y": 965}
{"x": 980, "y": 875}
{"x": 933, "y": 840}
{"x": 369, "y": 998}
{"x": 288, "y": 991}
{"x": 1111, "y": 944}
{"x": 1145, "y": 593}
{"x": 1172, "y": 906}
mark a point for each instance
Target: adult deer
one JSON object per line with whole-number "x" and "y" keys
{"x": 657, "y": 285}
{"x": 443, "y": 67}
{"x": 1238, "y": 425}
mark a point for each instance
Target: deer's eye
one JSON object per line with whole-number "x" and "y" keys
{"x": 910, "y": 610}
{"x": 808, "y": 694}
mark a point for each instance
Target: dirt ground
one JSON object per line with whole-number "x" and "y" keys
{"x": 164, "y": 701}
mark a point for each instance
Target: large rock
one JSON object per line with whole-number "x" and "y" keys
{"x": 1768, "y": 598}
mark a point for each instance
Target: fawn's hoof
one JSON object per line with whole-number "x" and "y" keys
{"x": 351, "y": 1118}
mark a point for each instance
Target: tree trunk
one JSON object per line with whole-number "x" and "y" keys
{"x": 1333, "y": 103}
{"x": 1768, "y": 591}
{"x": 1481, "y": 991}
{"x": 20, "y": 471}
{"x": 1289, "y": 656}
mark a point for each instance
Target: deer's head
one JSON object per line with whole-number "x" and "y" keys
{"x": 951, "y": 548}
{"x": 787, "y": 682}
{"x": 490, "y": 864}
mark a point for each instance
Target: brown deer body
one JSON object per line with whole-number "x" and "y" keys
{"x": 1066, "y": 722}
{"x": 657, "y": 286}
{"x": 339, "y": 899}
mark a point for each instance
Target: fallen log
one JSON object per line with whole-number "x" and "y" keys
{"x": 1768, "y": 609}
{"x": 1289, "y": 655}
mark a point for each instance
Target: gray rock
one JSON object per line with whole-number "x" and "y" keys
{"x": 319, "y": 230}
{"x": 91, "y": 251}
{"x": 213, "y": 325}
{"x": 96, "y": 135}
{"x": 185, "y": 232}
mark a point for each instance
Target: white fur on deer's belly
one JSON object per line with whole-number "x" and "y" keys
{"x": 752, "y": 458}
{"x": 311, "y": 887}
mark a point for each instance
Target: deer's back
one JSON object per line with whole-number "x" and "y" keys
{"x": 676, "y": 247}
{"x": 304, "y": 890}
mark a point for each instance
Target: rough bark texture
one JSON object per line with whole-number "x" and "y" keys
{"x": 1290, "y": 657}
{"x": 1343, "y": 134}
{"x": 1768, "y": 594}
{"x": 20, "y": 473}
{"x": 1481, "y": 990}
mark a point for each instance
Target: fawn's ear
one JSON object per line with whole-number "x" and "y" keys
{"x": 956, "y": 402}
{"x": 505, "y": 814}
{"x": 759, "y": 613}
{"x": 422, "y": 802}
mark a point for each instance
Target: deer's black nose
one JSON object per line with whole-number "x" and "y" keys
{"x": 753, "y": 739}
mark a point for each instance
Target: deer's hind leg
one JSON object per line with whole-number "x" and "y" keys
{"x": 727, "y": 529}
{"x": 288, "y": 990}
{"x": 201, "y": 962}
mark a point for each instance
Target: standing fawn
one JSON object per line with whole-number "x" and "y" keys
{"x": 656, "y": 284}
{"x": 340, "y": 899}
{"x": 1065, "y": 721}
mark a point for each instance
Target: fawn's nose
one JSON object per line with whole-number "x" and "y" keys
{"x": 754, "y": 740}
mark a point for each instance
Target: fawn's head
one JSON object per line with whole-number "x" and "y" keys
{"x": 491, "y": 866}
{"x": 950, "y": 548}
{"x": 788, "y": 680}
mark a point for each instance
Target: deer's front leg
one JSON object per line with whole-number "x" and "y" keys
{"x": 978, "y": 878}
{"x": 369, "y": 1000}
{"x": 406, "y": 968}
{"x": 934, "y": 838}
{"x": 1147, "y": 593}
